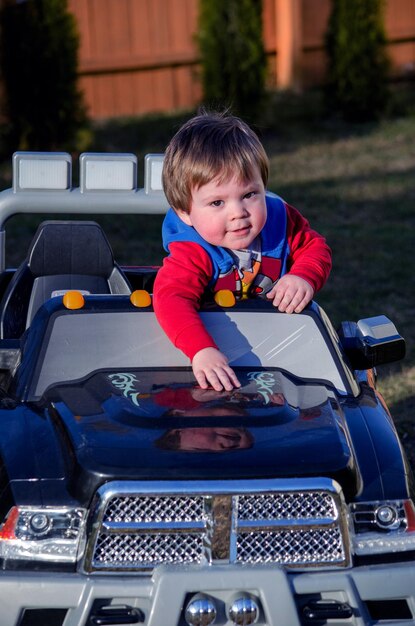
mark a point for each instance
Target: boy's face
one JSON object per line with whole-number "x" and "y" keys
{"x": 214, "y": 439}
{"x": 228, "y": 214}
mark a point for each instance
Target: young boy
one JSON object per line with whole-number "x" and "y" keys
{"x": 224, "y": 232}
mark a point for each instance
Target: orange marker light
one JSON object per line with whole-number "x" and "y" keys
{"x": 225, "y": 297}
{"x": 73, "y": 300}
{"x": 140, "y": 298}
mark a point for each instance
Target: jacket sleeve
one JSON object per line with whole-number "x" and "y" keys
{"x": 178, "y": 288}
{"x": 310, "y": 256}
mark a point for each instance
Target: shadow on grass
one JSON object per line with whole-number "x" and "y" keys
{"x": 406, "y": 426}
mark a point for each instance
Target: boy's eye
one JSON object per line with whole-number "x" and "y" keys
{"x": 216, "y": 203}
{"x": 250, "y": 194}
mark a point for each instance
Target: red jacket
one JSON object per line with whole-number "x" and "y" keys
{"x": 187, "y": 271}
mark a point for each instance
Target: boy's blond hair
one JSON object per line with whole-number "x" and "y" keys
{"x": 207, "y": 147}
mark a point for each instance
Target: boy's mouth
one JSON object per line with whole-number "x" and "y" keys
{"x": 240, "y": 232}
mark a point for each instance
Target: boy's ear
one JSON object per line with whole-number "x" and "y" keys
{"x": 185, "y": 217}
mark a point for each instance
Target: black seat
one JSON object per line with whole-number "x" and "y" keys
{"x": 62, "y": 256}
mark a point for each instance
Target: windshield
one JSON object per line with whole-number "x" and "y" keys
{"x": 78, "y": 343}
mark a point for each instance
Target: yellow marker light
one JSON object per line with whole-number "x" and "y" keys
{"x": 225, "y": 297}
{"x": 140, "y": 298}
{"x": 73, "y": 300}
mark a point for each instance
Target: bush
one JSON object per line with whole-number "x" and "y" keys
{"x": 39, "y": 59}
{"x": 232, "y": 55}
{"x": 358, "y": 65}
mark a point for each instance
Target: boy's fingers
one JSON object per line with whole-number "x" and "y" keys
{"x": 284, "y": 295}
{"x": 295, "y": 302}
{"x": 284, "y": 301}
{"x": 201, "y": 379}
{"x": 275, "y": 296}
{"x": 233, "y": 378}
{"x": 210, "y": 368}
{"x": 227, "y": 378}
{"x": 271, "y": 293}
{"x": 219, "y": 379}
{"x": 214, "y": 380}
{"x": 291, "y": 297}
{"x": 302, "y": 304}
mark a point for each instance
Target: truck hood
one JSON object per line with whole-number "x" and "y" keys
{"x": 157, "y": 425}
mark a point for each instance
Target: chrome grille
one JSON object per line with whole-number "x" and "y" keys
{"x": 154, "y": 509}
{"x": 297, "y": 547}
{"x": 259, "y": 522}
{"x": 147, "y": 550}
{"x": 302, "y": 505}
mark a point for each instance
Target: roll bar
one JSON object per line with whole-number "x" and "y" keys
{"x": 42, "y": 183}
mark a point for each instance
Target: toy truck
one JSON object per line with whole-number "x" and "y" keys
{"x": 128, "y": 495}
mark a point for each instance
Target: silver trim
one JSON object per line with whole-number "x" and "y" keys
{"x": 220, "y": 527}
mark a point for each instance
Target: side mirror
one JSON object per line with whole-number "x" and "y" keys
{"x": 371, "y": 341}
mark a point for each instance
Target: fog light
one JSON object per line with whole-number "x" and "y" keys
{"x": 200, "y": 611}
{"x": 244, "y": 611}
{"x": 386, "y": 516}
{"x": 40, "y": 523}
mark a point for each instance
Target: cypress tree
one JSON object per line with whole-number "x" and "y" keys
{"x": 357, "y": 61}
{"x": 39, "y": 60}
{"x": 232, "y": 55}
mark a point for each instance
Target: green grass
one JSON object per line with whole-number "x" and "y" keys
{"x": 356, "y": 186}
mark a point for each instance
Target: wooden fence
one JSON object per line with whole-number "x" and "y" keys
{"x": 140, "y": 56}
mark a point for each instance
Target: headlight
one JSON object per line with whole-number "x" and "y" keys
{"x": 382, "y": 527}
{"x": 44, "y": 534}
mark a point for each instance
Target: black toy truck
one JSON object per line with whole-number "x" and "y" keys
{"x": 128, "y": 495}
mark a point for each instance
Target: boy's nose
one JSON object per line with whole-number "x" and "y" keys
{"x": 238, "y": 210}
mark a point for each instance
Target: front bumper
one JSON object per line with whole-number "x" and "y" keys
{"x": 74, "y": 599}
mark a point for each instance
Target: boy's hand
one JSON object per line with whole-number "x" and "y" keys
{"x": 291, "y": 294}
{"x": 210, "y": 367}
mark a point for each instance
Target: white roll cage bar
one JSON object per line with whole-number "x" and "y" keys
{"x": 42, "y": 183}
